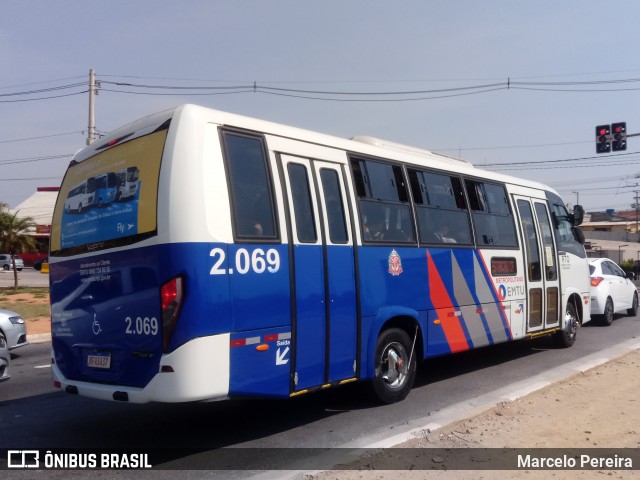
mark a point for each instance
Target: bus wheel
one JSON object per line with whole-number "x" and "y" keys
{"x": 393, "y": 376}
{"x": 567, "y": 337}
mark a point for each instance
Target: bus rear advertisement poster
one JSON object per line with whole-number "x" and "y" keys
{"x": 112, "y": 195}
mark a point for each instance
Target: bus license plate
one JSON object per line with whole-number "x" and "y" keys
{"x": 99, "y": 360}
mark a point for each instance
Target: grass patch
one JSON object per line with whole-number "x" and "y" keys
{"x": 30, "y": 302}
{"x": 30, "y": 311}
{"x": 37, "y": 292}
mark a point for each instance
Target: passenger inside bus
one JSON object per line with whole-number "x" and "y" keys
{"x": 443, "y": 236}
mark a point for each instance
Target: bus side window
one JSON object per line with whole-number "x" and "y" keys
{"x": 302, "y": 204}
{"x": 385, "y": 214}
{"x": 440, "y": 207}
{"x": 564, "y": 228}
{"x": 335, "y": 208}
{"x": 250, "y": 187}
{"x": 531, "y": 241}
{"x": 492, "y": 217}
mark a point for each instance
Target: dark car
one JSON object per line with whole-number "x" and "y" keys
{"x": 38, "y": 263}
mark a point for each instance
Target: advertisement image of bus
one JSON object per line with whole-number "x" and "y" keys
{"x": 78, "y": 198}
{"x": 127, "y": 180}
{"x": 265, "y": 260}
{"x": 103, "y": 187}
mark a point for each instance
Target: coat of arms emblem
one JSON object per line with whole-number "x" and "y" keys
{"x": 395, "y": 263}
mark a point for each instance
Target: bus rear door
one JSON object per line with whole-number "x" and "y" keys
{"x": 541, "y": 262}
{"x": 322, "y": 273}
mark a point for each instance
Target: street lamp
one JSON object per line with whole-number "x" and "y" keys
{"x": 620, "y": 253}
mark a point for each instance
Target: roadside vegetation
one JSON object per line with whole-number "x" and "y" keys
{"x": 31, "y": 303}
{"x": 16, "y": 236}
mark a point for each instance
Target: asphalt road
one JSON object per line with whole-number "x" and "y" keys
{"x": 34, "y": 415}
{"x": 28, "y": 277}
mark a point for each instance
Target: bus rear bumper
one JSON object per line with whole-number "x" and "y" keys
{"x": 198, "y": 370}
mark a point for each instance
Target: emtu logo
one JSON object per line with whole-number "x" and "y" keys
{"x": 502, "y": 293}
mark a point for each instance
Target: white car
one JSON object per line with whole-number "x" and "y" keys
{"x": 12, "y": 329}
{"x": 611, "y": 291}
{"x": 5, "y": 360}
{"x": 6, "y": 262}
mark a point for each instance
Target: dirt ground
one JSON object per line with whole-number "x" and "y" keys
{"x": 598, "y": 408}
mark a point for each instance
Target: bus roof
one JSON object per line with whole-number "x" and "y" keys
{"x": 364, "y": 145}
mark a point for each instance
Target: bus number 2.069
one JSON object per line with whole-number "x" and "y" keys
{"x": 256, "y": 261}
{"x": 142, "y": 326}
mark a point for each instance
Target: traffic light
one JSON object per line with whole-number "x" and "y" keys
{"x": 603, "y": 138}
{"x": 619, "y": 134}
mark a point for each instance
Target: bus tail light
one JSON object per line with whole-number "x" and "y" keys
{"x": 171, "y": 295}
{"x": 595, "y": 281}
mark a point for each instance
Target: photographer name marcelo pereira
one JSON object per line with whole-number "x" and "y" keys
{"x": 567, "y": 462}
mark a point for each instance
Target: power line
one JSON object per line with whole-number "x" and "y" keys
{"x": 34, "y": 159}
{"x": 44, "y": 90}
{"x": 43, "y": 98}
{"x": 37, "y": 138}
{"x": 28, "y": 179}
{"x": 41, "y": 82}
{"x": 325, "y": 95}
{"x": 556, "y": 161}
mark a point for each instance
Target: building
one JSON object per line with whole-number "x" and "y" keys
{"x": 39, "y": 206}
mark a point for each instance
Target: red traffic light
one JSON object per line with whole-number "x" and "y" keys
{"x": 619, "y": 136}
{"x": 603, "y": 138}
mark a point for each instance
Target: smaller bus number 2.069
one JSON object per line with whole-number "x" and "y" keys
{"x": 256, "y": 261}
{"x": 142, "y": 326}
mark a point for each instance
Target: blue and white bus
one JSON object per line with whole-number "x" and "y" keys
{"x": 103, "y": 187}
{"x": 78, "y": 198}
{"x": 264, "y": 260}
{"x": 128, "y": 182}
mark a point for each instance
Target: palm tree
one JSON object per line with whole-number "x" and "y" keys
{"x": 15, "y": 237}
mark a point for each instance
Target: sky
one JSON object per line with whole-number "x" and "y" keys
{"x": 513, "y": 87}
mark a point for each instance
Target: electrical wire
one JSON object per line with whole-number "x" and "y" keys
{"x": 34, "y": 159}
{"x": 37, "y": 138}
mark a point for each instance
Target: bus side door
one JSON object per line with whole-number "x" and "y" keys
{"x": 323, "y": 273}
{"x": 541, "y": 263}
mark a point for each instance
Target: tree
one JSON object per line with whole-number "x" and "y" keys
{"x": 15, "y": 237}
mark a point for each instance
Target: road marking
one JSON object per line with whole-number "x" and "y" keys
{"x": 48, "y": 365}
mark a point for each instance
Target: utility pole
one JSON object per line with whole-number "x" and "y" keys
{"x": 91, "y": 131}
{"x": 577, "y": 197}
{"x": 637, "y": 237}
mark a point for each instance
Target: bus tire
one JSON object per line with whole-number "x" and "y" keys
{"x": 567, "y": 336}
{"x": 392, "y": 381}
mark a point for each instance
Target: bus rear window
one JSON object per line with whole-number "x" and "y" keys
{"x": 109, "y": 199}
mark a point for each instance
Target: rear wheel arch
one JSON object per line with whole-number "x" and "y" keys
{"x": 394, "y": 352}
{"x": 393, "y": 317}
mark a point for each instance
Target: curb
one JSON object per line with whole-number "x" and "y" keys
{"x": 39, "y": 338}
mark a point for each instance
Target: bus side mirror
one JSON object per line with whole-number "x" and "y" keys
{"x": 578, "y": 214}
{"x": 578, "y": 234}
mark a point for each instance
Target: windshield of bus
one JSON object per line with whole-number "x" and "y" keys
{"x": 108, "y": 219}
